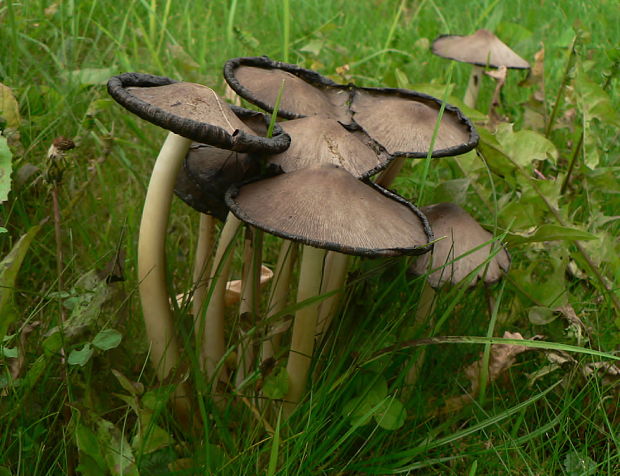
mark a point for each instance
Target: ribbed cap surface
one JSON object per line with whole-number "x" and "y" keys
{"x": 327, "y": 207}
{"x": 480, "y": 48}
{"x": 461, "y": 234}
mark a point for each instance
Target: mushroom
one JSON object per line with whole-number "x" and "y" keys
{"x": 318, "y": 140}
{"x": 463, "y": 253}
{"x": 360, "y": 219}
{"x": 466, "y": 248}
{"x": 206, "y": 174}
{"x": 399, "y": 121}
{"x": 480, "y": 49}
{"x": 408, "y": 124}
{"x": 306, "y": 92}
{"x": 191, "y": 112}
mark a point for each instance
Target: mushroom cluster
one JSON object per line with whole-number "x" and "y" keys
{"x": 306, "y": 180}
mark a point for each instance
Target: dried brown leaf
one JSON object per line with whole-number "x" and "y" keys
{"x": 233, "y": 288}
{"x": 503, "y": 356}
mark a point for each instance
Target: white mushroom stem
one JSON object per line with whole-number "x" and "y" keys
{"x": 278, "y": 298}
{"x": 248, "y": 306}
{"x": 423, "y": 319}
{"x": 154, "y": 295}
{"x": 211, "y": 329}
{"x": 204, "y": 247}
{"x": 473, "y": 86}
{"x": 304, "y": 326}
{"x": 388, "y": 175}
{"x": 335, "y": 275}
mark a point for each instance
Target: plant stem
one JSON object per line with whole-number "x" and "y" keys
{"x": 484, "y": 367}
{"x": 571, "y": 164}
{"x": 565, "y": 78}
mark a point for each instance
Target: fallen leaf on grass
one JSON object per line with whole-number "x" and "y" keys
{"x": 502, "y": 357}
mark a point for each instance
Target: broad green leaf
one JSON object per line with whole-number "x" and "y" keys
{"x": 550, "y": 232}
{"x": 52, "y": 343}
{"x": 454, "y": 191}
{"x": 9, "y": 108}
{"x": 117, "y": 452}
{"x": 359, "y": 411}
{"x": 540, "y": 315}
{"x": 34, "y": 373}
{"x": 525, "y": 146}
{"x": 5, "y": 169}
{"x": 80, "y": 357}
{"x": 579, "y": 464}
{"x": 89, "y": 76}
{"x": 391, "y": 415}
{"x": 544, "y": 279}
{"x": 9, "y": 352}
{"x": 107, "y": 339}
{"x": 594, "y": 101}
{"x": 156, "y": 399}
{"x": 88, "y": 444}
{"x": 182, "y": 59}
{"x": 89, "y": 467}
{"x": 4, "y": 471}
{"x": 246, "y": 38}
{"x": 88, "y": 295}
{"x": 9, "y": 268}
{"x": 134, "y": 388}
{"x": 276, "y": 384}
{"x": 150, "y": 437}
{"x": 313, "y": 47}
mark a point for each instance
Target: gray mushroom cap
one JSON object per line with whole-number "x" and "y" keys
{"x": 480, "y": 48}
{"x": 400, "y": 120}
{"x": 190, "y": 110}
{"x": 461, "y": 234}
{"x": 327, "y": 207}
{"x": 297, "y": 94}
{"x": 404, "y": 123}
{"x": 317, "y": 141}
{"x": 306, "y": 93}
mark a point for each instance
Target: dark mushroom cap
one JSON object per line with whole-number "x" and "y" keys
{"x": 480, "y": 48}
{"x": 190, "y": 110}
{"x": 317, "y": 141}
{"x": 306, "y": 93}
{"x": 327, "y": 207}
{"x": 207, "y": 173}
{"x": 404, "y": 121}
{"x": 462, "y": 234}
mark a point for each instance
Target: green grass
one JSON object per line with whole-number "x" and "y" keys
{"x": 56, "y": 62}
